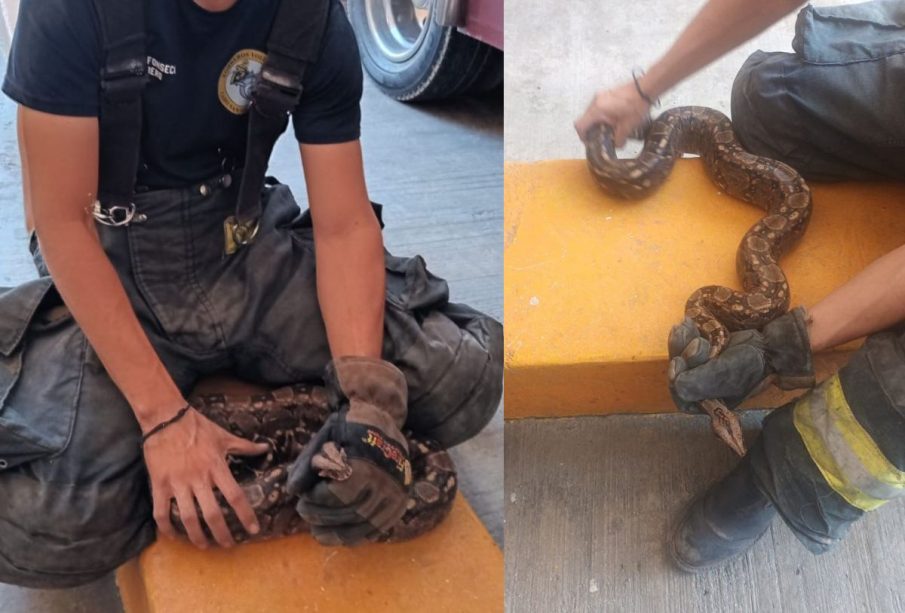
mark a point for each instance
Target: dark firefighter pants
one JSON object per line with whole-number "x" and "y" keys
{"x": 833, "y": 110}
{"x": 839, "y": 450}
{"x": 74, "y": 497}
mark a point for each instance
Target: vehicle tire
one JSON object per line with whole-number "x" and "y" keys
{"x": 412, "y": 58}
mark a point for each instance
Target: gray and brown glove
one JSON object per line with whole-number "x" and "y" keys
{"x": 779, "y": 353}
{"x": 353, "y": 477}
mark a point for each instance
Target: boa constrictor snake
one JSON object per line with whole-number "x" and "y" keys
{"x": 772, "y": 185}
{"x": 286, "y": 419}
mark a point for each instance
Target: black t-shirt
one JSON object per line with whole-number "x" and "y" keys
{"x": 200, "y": 65}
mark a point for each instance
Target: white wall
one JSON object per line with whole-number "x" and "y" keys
{"x": 9, "y": 9}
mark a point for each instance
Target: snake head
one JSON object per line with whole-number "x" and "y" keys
{"x": 331, "y": 462}
{"x": 725, "y": 425}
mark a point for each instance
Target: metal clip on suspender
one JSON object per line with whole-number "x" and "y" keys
{"x": 123, "y": 78}
{"x": 293, "y": 44}
{"x": 116, "y": 216}
{"x": 237, "y": 234}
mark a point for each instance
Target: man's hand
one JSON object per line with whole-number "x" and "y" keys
{"x": 620, "y": 108}
{"x": 186, "y": 461}
{"x": 779, "y": 353}
{"x": 720, "y": 26}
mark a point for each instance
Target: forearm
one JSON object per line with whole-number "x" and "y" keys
{"x": 92, "y": 291}
{"x": 718, "y": 28}
{"x": 60, "y": 168}
{"x": 351, "y": 278}
{"x": 871, "y": 301}
{"x": 351, "y": 286}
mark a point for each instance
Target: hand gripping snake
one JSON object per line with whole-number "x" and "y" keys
{"x": 772, "y": 185}
{"x": 286, "y": 419}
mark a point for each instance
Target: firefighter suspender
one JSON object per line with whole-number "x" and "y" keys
{"x": 294, "y": 43}
{"x": 123, "y": 78}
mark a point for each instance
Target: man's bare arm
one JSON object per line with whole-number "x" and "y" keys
{"x": 351, "y": 278}
{"x": 60, "y": 167}
{"x": 719, "y": 27}
{"x": 186, "y": 460}
{"x": 871, "y": 301}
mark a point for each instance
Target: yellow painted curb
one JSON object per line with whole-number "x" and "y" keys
{"x": 456, "y": 568}
{"x": 593, "y": 284}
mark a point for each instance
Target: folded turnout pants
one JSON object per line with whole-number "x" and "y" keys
{"x": 832, "y": 109}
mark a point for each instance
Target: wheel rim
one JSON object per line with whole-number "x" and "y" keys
{"x": 398, "y": 27}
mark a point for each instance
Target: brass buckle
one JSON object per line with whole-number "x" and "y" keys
{"x": 238, "y": 235}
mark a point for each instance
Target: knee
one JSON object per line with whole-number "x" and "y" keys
{"x": 464, "y": 395}
{"x": 761, "y": 104}
{"x": 470, "y": 418}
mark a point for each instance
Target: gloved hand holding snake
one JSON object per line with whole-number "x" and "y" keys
{"x": 354, "y": 475}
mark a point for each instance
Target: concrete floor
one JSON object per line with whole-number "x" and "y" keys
{"x": 590, "y": 502}
{"x": 438, "y": 170}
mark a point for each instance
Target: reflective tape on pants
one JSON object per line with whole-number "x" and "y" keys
{"x": 844, "y": 452}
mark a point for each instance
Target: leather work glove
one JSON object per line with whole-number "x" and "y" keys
{"x": 353, "y": 477}
{"x": 779, "y": 353}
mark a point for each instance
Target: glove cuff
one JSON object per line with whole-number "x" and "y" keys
{"x": 788, "y": 347}
{"x": 368, "y": 381}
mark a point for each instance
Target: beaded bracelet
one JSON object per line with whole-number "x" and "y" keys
{"x": 637, "y": 73}
{"x": 179, "y": 415}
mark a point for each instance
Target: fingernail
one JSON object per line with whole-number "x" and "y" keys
{"x": 255, "y": 528}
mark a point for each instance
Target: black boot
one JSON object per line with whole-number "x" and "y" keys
{"x": 723, "y": 523}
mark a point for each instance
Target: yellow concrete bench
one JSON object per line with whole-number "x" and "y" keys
{"x": 457, "y": 568}
{"x": 594, "y": 284}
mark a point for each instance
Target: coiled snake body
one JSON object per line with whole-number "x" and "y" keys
{"x": 772, "y": 185}
{"x": 286, "y": 419}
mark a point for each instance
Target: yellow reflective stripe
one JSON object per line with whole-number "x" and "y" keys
{"x": 846, "y": 455}
{"x": 891, "y": 479}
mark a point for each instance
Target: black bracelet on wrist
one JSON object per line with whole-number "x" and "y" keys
{"x": 179, "y": 415}
{"x": 637, "y": 73}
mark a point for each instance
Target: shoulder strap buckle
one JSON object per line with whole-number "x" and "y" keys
{"x": 277, "y": 91}
{"x": 122, "y": 80}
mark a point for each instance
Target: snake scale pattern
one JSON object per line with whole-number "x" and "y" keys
{"x": 772, "y": 185}
{"x": 286, "y": 419}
